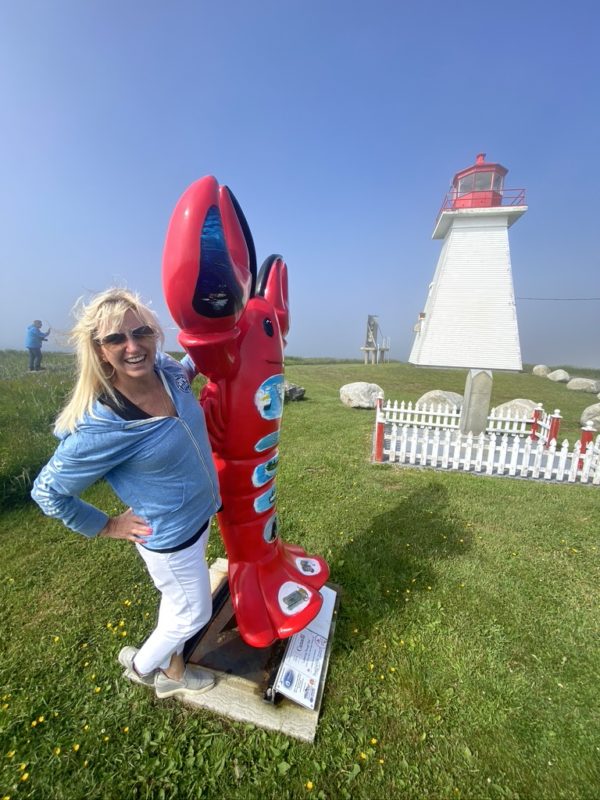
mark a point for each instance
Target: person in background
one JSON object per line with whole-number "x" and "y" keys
{"x": 133, "y": 420}
{"x": 33, "y": 342}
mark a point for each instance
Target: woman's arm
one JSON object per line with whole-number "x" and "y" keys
{"x": 56, "y": 490}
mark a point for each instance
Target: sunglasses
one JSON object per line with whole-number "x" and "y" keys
{"x": 116, "y": 339}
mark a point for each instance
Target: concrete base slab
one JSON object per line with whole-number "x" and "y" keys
{"x": 242, "y": 673}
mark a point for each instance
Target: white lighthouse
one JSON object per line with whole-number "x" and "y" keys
{"x": 469, "y": 319}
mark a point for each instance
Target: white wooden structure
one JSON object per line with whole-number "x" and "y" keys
{"x": 515, "y": 455}
{"x": 539, "y": 425}
{"x": 469, "y": 319}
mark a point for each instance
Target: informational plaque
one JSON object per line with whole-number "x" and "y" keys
{"x": 302, "y": 667}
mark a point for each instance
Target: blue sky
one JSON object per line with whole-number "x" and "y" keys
{"x": 338, "y": 125}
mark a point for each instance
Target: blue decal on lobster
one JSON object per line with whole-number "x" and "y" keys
{"x": 233, "y": 324}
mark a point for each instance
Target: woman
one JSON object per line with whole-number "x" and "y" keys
{"x": 133, "y": 420}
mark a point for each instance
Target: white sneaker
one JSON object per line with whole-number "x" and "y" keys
{"x": 195, "y": 681}
{"x": 126, "y": 656}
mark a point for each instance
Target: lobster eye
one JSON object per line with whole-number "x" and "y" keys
{"x": 268, "y": 326}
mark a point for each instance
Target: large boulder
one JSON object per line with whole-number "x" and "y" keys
{"x": 591, "y": 414}
{"x": 584, "y": 385}
{"x": 293, "y": 392}
{"x": 559, "y": 376}
{"x": 519, "y": 407}
{"x": 542, "y": 370}
{"x": 437, "y": 397}
{"x": 360, "y": 394}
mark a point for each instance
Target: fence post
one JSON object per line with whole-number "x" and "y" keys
{"x": 537, "y": 413}
{"x": 379, "y": 429}
{"x": 587, "y": 436}
{"x": 554, "y": 426}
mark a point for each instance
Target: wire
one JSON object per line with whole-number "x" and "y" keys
{"x": 561, "y": 299}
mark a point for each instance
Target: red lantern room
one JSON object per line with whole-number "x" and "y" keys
{"x": 478, "y": 186}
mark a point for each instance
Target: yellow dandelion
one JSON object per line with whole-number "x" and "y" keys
{"x": 363, "y": 756}
{"x": 126, "y": 602}
{"x": 92, "y": 676}
{"x": 84, "y": 645}
{"x": 86, "y": 663}
{"x": 6, "y": 797}
{"x": 381, "y": 677}
{"x": 11, "y": 754}
{"x": 371, "y": 666}
{"x": 97, "y": 689}
{"x": 25, "y": 776}
{"x": 109, "y": 625}
{"x": 56, "y": 639}
{"x": 4, "y": 706}
{"x": 22, "y": 766}
{"x": 123, "y": 633}
{"x": 382, "y": 761}
{"x": 106, "y": 738}
{"x": 373, "y": 740}
{"x": 85, "y": 763}
{"x": 126, "y": 729}
{"x": 41, "y": 718}
{"x": 33, "y": 723}
{"x": 86, "y": 727}
{"x": 355, "y": 630}
{"x": 392, "y": 669}
{"x": 56, "y": 751}
{"x": 121, "y": 623}
{"x": 309, "y": 785}
{"x": 76, "y": 747}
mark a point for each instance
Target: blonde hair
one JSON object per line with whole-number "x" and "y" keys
{"x": 103, "y": 313}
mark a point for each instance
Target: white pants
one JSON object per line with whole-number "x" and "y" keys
{"x": 186, "y": 603}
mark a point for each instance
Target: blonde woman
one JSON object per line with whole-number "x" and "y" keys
{"x": 133, "y": 420}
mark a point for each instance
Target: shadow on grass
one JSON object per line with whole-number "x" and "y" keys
{"x": 16, "y": 484}
{"x": 400, "y": 551}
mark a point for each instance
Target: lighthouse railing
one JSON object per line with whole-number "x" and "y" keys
{"x": 503, "y": 197}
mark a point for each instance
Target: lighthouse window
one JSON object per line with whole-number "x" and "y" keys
{"x": 497, "y": 184}
{"x": 483, "y": 181}
{"x": 466, "y": 184}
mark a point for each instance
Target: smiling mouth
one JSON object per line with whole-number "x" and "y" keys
{"x": 135, "y": 360}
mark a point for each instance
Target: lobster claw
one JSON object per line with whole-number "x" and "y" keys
{"x": 209, "y": 265}
{"x": 272, "y": 284}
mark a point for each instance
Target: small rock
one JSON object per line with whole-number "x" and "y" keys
{"x": 542, "y": 370}
{"x": 293, "y": 392}
{"x": 360, "y": 394}
{"x": 559, "y": 376}
{"x": 441, "y": 397}
{"x": 584, "y": 385}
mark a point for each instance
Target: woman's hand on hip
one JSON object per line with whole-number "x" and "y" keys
{"x": 127, "y": 526}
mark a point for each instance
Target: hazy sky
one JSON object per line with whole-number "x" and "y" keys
{"x": 338, "y": 125}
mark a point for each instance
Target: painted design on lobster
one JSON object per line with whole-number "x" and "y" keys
{"x": 233, "y": 324}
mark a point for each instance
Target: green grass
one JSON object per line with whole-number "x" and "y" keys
{"x": 466, "y": 646}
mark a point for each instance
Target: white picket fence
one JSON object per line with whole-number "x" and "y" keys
{"x": 446, "y": 417}
{"x": 514, "y": 455}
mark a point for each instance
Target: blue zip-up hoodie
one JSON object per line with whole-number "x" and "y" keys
{"x": 34, "y": 336}
{"x": 161, "y": 467}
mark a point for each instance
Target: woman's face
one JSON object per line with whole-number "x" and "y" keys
{"x": 133, "y": 358}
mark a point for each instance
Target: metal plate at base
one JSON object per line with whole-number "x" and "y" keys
{"x": 243, "y": 673}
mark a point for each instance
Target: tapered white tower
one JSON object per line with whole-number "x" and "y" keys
{"x": 470, "y": 318}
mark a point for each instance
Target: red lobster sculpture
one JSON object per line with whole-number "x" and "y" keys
{"x": 233, "y": 325}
